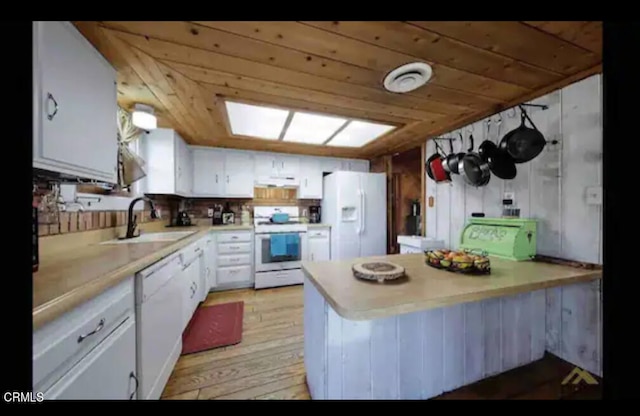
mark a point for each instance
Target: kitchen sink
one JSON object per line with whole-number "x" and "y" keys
{"x": 152, "y": 237}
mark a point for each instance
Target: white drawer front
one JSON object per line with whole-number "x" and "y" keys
{"x": 234, "y": 274}
{"x": 318, "y": 233}
{"x": 61, "y": 343}
{"x": 234, "y": 248}
{"x": 242, "y": 236}
{"x": 234, "y": 260}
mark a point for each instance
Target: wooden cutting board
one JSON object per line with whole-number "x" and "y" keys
{"x": 379, "y": 271}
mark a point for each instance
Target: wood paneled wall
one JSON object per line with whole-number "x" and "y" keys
{"x": 551, "y": 189}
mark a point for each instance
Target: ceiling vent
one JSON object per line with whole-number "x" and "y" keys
{"x": 408, "y": 77}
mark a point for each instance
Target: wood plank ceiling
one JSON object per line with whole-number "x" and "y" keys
{"x": 185, "y": 70}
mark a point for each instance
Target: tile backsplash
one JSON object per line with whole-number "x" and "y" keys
{"x": 70, "y": 222}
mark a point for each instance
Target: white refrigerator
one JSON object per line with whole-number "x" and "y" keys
{"x": 355, "y": 205}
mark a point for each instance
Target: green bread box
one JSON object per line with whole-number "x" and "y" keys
{"x": 507, "y": 238}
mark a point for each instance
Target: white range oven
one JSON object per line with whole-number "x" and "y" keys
{"x": 279, "y": 270}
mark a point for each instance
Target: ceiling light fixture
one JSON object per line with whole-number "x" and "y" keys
{"x": 408, "y": 77}
{"x": 144, "y": 117}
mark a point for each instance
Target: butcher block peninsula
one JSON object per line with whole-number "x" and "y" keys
{"x": 427, "y": 333}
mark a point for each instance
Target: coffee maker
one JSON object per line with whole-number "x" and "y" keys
{"x": 314, "y": 214}
{"x": 413, "y": 224}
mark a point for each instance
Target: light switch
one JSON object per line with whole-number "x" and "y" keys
{"x": 210, "y": 212}
{"x": 594, "y": 195}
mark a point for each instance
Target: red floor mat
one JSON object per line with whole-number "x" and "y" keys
{"x": 213, "y": 326}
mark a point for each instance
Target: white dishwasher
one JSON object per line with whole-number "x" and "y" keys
{"x": 159, "y": 324}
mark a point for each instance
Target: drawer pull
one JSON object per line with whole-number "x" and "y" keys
{"x": 95, "y": 331}
{"x": 235, "y": 237}
{"x": 133, "y": 376}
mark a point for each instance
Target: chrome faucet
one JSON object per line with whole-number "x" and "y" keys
{"x": 132, "y": 223}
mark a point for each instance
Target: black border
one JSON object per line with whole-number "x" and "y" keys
{"x": 17, "y": 285}
{"x": 620, "y": 121}
{"x": 621, "y": 88}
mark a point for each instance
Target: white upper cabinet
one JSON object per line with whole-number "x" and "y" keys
{"x": 265, "y": 164}
{"x": 239, "y": 174}
{"x": 168, "y": 163}
{"x": 337, "y": 164}
{"x": 310, "y": 178}
{"x": 331, "y": 164}
{"x": 358, "y": 165}
{"x": 288, "y": 166}
{"x": 208, "y": 172}
{"x": 74, "y": 105}
{"x": 276, "y": 165}
{"x": 184, "y": 168}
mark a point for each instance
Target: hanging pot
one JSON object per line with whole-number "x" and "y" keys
{"x": 473, "y": 168}
{"x": 452, "y": 161}
{"x": 435, "y": 168}
{"x": 523, "y": 143}
{"x": 500, "y": 162}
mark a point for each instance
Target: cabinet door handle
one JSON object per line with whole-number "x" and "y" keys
{"x": 282, "y": 164}
{"x": 273, "y": 164}
{"x": 95, "y": 331}
{"x": 227, "y": 178}
{"x": 311, "y": 256}
{"x": 305, "y": 182}
{"x": 216, "y": 178}
{"x": 133, "y": 376}
{"x": 50, "y": 97}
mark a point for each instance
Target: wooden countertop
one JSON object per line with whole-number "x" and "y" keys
{"x": 426, "y": 287}
{"x": 72, "y": 277}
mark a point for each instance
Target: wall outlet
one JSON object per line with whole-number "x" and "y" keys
{"x": 210, "y": 212}
{"x": 594, "y": 195}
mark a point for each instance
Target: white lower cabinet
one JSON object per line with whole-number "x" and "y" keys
{"x": 191, "y": 279}
{"x": 210, "y": 261}
{"x": 234, "y": 265}
{"x": 319, "y": 245}
{"x": 90, "y": 351}
{"x": 106, "y": 373}
{"x": 234, "y": 275}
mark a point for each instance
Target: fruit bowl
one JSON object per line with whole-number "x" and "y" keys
{"x": 460, "y": 261}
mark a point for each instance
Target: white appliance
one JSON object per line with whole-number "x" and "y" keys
{"x": 354, "y": 204}
{"x": 277, "y": 181}
{"x": 271, "y": 271}
{"x": 159, "y": 324}
{"x": 416, "y": 244}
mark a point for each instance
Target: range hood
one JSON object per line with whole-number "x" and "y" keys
{"x": 277, "y": 181}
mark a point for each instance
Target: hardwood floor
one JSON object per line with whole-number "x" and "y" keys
{"x": 268, "y": 363}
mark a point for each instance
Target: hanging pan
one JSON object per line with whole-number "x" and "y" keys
{"x": 523, "y": 143}
{"x": 473, "y": 168}
{"x": 500, "y": 162}
{"x": 435, "y": 168}
{"x": 452, "y": 160}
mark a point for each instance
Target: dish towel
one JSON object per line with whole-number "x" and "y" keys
{"x": 278, "y": 243}
{"x": 293, "y": 244}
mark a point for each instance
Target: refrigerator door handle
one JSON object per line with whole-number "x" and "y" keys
{"x": 363, "y": 203}
{"x": 359, "y": 213}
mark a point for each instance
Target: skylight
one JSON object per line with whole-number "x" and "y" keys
{"x": 312, "y": 128}
{"x": 256, "y": 121}
{"x": 359, "y": 133}
{"x": 301, "y": 127}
